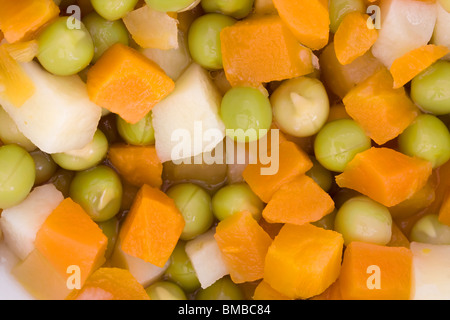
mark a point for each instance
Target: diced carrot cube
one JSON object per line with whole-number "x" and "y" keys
{"x": 308, "y": 19}
{"x": 298, "y": 202}
{"x": 110, "y": 284}
{"x": 264, "y": 291}
{"x": 374, "y": 272}
{"x": 244, "y": 244}
{"x": 444, "y": 211}
{"x": 303, "y": 261}
{"x": 333, "y": 292}
{"x": 69, "y": 237}
{"x": 292, "y": 162}
{"x": 152, "y": 227}
{"x": 19, "y": 20}
{"x": 138, "y": 165}
{"x": 382, "y": 111}
{"x": 126, "y": 82}
{"x": 260, "y": 50}
{"x": 385, "y": 175}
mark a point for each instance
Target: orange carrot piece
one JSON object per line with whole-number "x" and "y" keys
{"x": 308, "y": 20}
{"x": 244, "y": 244}
{"x": 444, "y": 211}
{"x": 69, "y": 237}
{"x": 19, "y": 20}
{"x": 382, "y": 111}
{"x": 405, "y": 68}
{"x": 333, "y": 292}
{"x": 353, "y": 38}
{"x": 138, "y": 165}
{"x": 292, "y": 162}
{"x": 299, "y": 201}
{"x": 385, "y": 175}
{"x": 262, "y": 49}
{"x": 110, "y": 284}
{"x": 126, "y": 82}
{"x": 152, "y": 227}
{"x": 264, "y": 291}
{"x": 374, "y": 272}
{"x": 303, "y": 260}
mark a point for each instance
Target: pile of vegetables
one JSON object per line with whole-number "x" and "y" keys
{"x": 111, "y": 111}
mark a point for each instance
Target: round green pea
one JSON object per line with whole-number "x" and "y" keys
{"x": 17, "y": 175}
{"x": 338, "y": 142}
{"x": 204, "y": 39}
{"x": 327, "y": 222}
{"x": 363, "y": 219}
{"x": 246, "y": 113}
{"x": 194, "y": 204}
{"x": 165, "y": 290}
{"x": 180, "y": 269}
{"x": 322, "y": 176}
{"x": 98, "y": 191}
{"x": 171, "y": 5}
{"x": 113, "y": 9}
{"x": 430, "y": 90}
{"x": 89, "y": 156}
{"x": 237, "y": 9}
{"x": 427, "y": 138}
{"x": 428, "y": 229}
{"x": 339, "y": 8}
{"x": 110, "y": 229}
{"x": 65, "y": 50}
{"x": 44, "y": 165}
{"x": 104, "y": 33}
{"x": 140, "y": 133}
{"x": 10, "y": 134}
{"x": 235, "y": 198}
{"x": 222, "y": 289}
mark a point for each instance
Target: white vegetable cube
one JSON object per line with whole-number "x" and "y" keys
{"x": 206, "y": 258}
{"x": 441, "y": 35}
{"x": 187, "y": 122}
{"x": 405, "y": 25}
{"x": 431, "y": 271}
{"x": 21, "y": 223}
{"x": 59, "y": 117}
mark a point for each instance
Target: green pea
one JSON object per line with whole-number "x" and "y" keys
{"x": 237, "y": 9}
{"x": 204, "y": 39}
{"x": 98, "y": 191}
{"x": 113, "y": 9}
{"x": 300, "y": 106}
{"x": 165, "y": 290}
{"x": 10, "y": 134}
{"x": 17, "y": 175}
{"x": 104, "y": 33}
{"x": 85, "y": 158}
{"x": 327, "y": 222}
{"x": 110, "y": 229}
{"x": 365, "y": 220}
{"x": 246, "y": 113}
{"x": 339, "y": 8}
{"x": 338, "y": 142}
{"x": 62, "y": 180}
{"x": 222, "y": 289}
{"x": 427, "y": 138}
{"x": 65, "y": 50}
{"x": 320, "y": 175}
{"x": 140, "y": 133}
{"x": 44, "y": 165}
{"x": 171, "y": 5}
{"x": 180, "y": 270}
{"x": 431, "y": 88}
{"x": 194, "y": 204}
{"x": 429, "y": 229}
{"x": 235, "y": 198}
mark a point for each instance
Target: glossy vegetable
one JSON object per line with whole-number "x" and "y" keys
{"x": 64, "y": 50}
{"x": 113, "y": 9}
{"x": 140, "y": 133}
{"x": 44, "y": 165}
{"x": 165, "y": 290}
{"x": 99, "y": 191}
{"x": 300, "y": 106}
{"x": 339, "y": 8}
{"x": 237, "y": 9}
{"x": 235, "y": 198}
{"x": 110, "y": 229}
{"x": 171, "y": 5}
{"x": 108, "y": 80}
{"x": 194, "y": 204}
{"x": 244, "y": 244}
{"x": 222, "y": 289}
{"x": 362, "y": 219}
{"x": 429, "y": 229}
{"x": 338, "y": 142}
{"x": 10, "y": 134}
{"x": 17, "y": 175}
{"x": 320, "y": 175}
